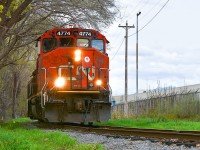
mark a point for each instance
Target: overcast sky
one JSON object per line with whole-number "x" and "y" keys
{"x": 169, "y": 47}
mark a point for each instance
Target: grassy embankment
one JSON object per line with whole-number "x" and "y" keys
{"x": 155, "y": 123}
{"x": 15, "y": 135}
{"x": 18, "y": 134}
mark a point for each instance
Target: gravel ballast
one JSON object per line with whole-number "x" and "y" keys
{"x": 112, "y": 143}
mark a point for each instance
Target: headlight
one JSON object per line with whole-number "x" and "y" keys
{"x": 78, "y": 55}
{"x": 59, "y": 82}
{"x": 98, "y": 82}
{"x": 77, "y": 58}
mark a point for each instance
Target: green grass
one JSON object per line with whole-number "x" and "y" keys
{"x": 14, "y": 136}
{"x": 155, "y": 123}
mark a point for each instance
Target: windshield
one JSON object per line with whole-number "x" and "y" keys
{"x": 49, "y": 44}
{"x": 98, "y": 44}
{"x": 82, "y": 42}
{"x": 66, "y": 42}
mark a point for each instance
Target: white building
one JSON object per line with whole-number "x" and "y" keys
{"x": 158, "y": 92}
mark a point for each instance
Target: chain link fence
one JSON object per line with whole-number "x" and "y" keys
{"x": 166, "y": 103}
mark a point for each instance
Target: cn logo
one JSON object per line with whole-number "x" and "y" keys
{"x": 81, "y": 68}
{"x": 87, "y": 59}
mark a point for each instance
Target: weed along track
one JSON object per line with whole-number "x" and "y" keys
{"x": 165, "y": 136}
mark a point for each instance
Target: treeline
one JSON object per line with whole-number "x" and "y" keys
{"x": 21, "y": 23}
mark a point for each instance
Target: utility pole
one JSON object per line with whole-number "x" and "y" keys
{"x": 126, "y": 27}
{"x": 137, "y": 55}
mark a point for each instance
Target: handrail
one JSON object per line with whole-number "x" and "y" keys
{"x": 45, "y": 80}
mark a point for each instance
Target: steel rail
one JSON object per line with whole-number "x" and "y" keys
{"x": 150, "y": 133}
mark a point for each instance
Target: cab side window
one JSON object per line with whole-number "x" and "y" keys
{"x": 49, "y": 44}
{"x": 98, "y": 44}
{"x": 66, "y": 42}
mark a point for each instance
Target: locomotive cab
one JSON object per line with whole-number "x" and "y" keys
{"x": 71, "y": 81}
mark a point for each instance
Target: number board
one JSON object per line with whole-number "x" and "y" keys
{"x": 63, "y": 33}
{"x": 85, "y": 33}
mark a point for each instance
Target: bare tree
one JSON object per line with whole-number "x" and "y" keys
{"x": 13, "y": 84}
{"x": 32, "y": 17}
{"x": 16, "y": 81}
{"x": 21, "y": 23}
{"x": 4, "y": 92}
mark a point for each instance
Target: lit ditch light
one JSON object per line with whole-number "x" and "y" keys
{"x": 60, "y": 82}
{"x": 99, "y": 82}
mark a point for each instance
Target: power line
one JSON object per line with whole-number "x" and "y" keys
{"x": 121, "y": 19}
{"x": 117, "y": 50}
{"x": 151, "y": 18}
{"x": 134, "y": 8}
{"x": 150, "y": 10}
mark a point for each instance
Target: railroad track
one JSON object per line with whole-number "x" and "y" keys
{"x": 152, "y": 133}
{"x": 187, "y": 136}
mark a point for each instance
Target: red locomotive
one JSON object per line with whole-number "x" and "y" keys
{"x": 71, "y": 80}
